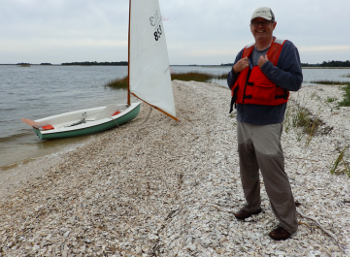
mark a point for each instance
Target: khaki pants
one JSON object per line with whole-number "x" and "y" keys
{"x": 259, "y": 147}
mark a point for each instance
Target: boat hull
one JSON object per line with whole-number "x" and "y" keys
{"x": 90, "y": 127}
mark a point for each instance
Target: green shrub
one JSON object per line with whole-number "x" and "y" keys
{"x": 346, "y": 95}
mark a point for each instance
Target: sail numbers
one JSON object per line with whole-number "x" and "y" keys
{"x": 155, "y": 22}
{"x": 157, "y": 33}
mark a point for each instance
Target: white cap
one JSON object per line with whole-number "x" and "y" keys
{"x": 263, "y": 12}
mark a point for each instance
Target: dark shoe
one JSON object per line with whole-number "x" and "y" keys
{"x": 279, "y": 234}
{"x": 242, "y": 214}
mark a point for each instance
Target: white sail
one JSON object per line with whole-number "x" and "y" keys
{"x": 149, "y": 71}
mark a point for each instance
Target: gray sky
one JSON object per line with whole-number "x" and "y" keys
{"x": 197, "y": 31}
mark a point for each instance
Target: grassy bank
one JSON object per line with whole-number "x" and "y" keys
{"x": 329, "y": 82}
{"x": 346, "y": 88}
{"x": 197, "y": 76}
{"x": 118, "y": 83}
{"x": 188, "y": 76}
{"x": 346, "y": 95}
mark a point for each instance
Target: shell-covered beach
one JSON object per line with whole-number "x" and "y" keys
{"x": 157, "y": 187}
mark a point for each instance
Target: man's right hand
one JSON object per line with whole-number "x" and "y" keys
{"x": 241, "y": 65}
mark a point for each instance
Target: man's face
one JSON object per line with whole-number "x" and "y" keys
{"x": 263, "y": 30}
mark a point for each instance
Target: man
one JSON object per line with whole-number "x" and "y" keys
{"x": 261, "y": 78}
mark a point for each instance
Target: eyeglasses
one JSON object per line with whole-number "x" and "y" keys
{"x": 263, "y": 23}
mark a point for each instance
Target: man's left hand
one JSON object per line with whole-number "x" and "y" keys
{"x": 262, "y": 60}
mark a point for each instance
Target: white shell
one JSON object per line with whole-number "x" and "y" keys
{"x": 166, "y": 188}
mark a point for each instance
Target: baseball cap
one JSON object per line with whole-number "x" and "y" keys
{"x": 263, "y": 12}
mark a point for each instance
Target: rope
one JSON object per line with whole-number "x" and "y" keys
{"x": 149, "y": 114}
{"x": 115, "y": 121}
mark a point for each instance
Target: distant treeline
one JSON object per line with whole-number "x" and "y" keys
{"x": 323, "y": 64}
{"x": 333, "y": 63}
{"x": 27, "y": 63}
{"x": 328, "y": 64}
{"x": 96, "y": 63}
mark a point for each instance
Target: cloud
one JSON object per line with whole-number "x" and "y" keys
{"x": 329, "y": 48}
{"x": 197, "y": 31}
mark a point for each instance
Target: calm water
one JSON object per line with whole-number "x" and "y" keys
{"x": 39, "y": 91}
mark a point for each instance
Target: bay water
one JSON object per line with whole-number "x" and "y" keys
{"x": 39, "y": 91}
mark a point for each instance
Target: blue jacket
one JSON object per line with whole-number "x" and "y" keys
{"x": 287, "y": 74}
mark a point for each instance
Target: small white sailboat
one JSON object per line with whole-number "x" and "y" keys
{"x": 149, "y": 80}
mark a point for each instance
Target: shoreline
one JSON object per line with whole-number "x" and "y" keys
{"x": 167, "y": 188}
{"x": 17, "y": 175}
{"x": 14, "y": 174}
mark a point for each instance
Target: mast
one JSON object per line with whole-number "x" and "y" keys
{"x": 128, "y": 101}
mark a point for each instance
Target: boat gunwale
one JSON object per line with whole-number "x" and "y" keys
{"x": 91, "y": 125}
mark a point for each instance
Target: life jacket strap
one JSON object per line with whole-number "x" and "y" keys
{"x": 234, "y": 98}
{"x": 247, "y": 97}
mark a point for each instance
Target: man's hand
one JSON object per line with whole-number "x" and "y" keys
{"x": 262, "y": 60}
{"x": 241, "y": 65}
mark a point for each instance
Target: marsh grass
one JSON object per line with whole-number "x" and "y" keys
{"x": 346, "y": 88}
{"x": 346, "y": 76}
{"x": 303, "y": 119}
{"x": 346, "y": 96}
{"x": 118, "y": 83}
{"x": 197, "y": 76}
{"x": 340, "y": 160}
{"x": 331, "y": 99}
{"x": 222, "y": 76}
{"x": 188, "y": 76}
{"x": 300, "y": 117}
{"x": 329, "y": 82}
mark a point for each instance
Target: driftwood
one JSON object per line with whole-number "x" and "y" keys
{"x": 322, "y": 228}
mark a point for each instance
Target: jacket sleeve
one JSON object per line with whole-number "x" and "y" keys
{"x": 288, "y": 72}
{"x": 232, "y": 76}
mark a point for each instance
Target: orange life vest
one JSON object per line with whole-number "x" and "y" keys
{"x": 252, "y": 85}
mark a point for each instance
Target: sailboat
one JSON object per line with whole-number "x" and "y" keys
{"x": 148, "y": 80}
